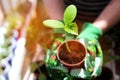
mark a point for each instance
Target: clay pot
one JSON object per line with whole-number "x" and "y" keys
{"x": 73, "y": 59}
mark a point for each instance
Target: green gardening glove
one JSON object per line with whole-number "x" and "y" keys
{"x": 94, "y": 59}
{"x": 89, "y": 31}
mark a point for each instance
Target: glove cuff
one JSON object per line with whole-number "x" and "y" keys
{"x": 90, "y": 31}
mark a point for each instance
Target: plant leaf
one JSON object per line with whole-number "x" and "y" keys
{"x": 69, "y": 36}
{"x": 71, "y": 28}
{"x": 70, "y": 14}
{"x": 59, "y": 39}
{"x": 59, "y": 30}
{"x": 53, "y": 23}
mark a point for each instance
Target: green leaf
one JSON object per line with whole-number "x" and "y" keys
{"x": 53, "y": 23}
{"x": 47, "y": 57}
{"x": 69, "y": 36}
{"x": 70, "y": 14}
{"x": 59, "y": 30}
{"x": 52, "y": 62}
{"x": 71, "y": 28}
{"x": 59, "y": 39}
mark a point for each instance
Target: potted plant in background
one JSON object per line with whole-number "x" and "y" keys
{"x": 68, "y": 58}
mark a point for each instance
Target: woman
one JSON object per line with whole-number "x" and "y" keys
{"x": 97, "y": 16}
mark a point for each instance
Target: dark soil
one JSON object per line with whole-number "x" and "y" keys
{"x": 71, "y": 58}
{"x": 76, "y": 54}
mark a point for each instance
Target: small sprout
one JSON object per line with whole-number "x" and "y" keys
{"x": 66, "y": 24}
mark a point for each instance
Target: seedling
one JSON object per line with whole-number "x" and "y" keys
{"x": 67, "y": 25}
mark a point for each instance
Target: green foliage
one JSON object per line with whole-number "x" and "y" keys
{"x": 70, "y": 14}
{"x": 51, "y": 56}
{"x": 92, "y": 63}
{"x": 53, "y": 23}
{"x": 67, "y": 25}
{"x": 71, "y": 28}
{"x": 59, "y": 30}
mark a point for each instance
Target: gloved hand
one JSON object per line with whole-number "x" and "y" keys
{"x": 93, "y": 62}
{"x": 89, "y": 31}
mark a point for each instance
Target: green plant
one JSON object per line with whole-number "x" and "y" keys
{"x": 69, "y": 29}
{"x": 67, "y": 26}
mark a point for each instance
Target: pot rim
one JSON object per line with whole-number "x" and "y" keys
{"x": 75, "y": 64}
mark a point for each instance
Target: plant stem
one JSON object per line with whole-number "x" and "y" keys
{"x": 67, "y": 46}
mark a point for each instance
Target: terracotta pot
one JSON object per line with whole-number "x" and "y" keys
{"x": 73, "y": 59}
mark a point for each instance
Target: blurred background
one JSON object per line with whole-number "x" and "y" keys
{"x": 23, "y": 40}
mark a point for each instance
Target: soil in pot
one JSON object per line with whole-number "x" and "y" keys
{"x": 71, "y": 58}
{"x": 75, "y": 57}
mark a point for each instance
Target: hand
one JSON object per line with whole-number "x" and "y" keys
{"x": 89, "y": 37}
{"x": 90, "y": 31}
{"x": 94, "y": 59}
